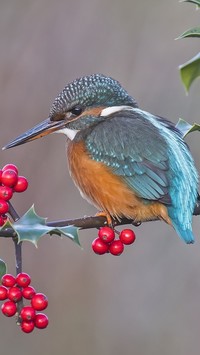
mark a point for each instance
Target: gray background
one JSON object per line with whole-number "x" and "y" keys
{"x": 148, "y": 300}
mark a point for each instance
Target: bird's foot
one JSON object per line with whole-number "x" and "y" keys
{"x": 107, "y": 216}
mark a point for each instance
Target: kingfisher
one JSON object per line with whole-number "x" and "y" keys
{"x": 125, "y": 161}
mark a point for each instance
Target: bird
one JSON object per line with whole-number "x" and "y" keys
{"x": 127, "y": 162}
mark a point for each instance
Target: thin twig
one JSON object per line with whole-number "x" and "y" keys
{"x": 18, "y": 246}
{"x": 18, "y": 258}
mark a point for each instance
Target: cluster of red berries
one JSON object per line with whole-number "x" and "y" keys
{"x": 14, "y": 289}
{"x": 10, "y": 182}
{"x": 106, "y": 242}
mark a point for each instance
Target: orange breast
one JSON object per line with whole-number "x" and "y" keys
{"x": 107, "y": 191}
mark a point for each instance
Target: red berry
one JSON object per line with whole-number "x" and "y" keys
{"x": 27, "y": 326}
{"x": 0, "y": 175}
{"x": 9, "y": 308}
{"x": 5, "y": 193}
{"x": 23, "y": 279}
{"x": 106, "y": 234}
{"x": 27, "y": 313}
{"x": 9, "y": 178}
{"x": 39, "y": 302}
{"x": 21, "y": 185}
{"x": 127, "y": 236}
{"x": 28, "y": 292}
{"x": 116, "y": 247}
{"x": 14, "y": 294}
{"x": 8, "y": 280}
{"x": 3, "y": 293}
{"x": 41, "y": 320}
{"x": 10, "y": 167}
{"x": 99, "y": 246}
{"x": 4, "y": 206}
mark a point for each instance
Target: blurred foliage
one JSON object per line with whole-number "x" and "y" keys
{"x": 186, "y": 127}
{"x": 196, "y": 2}
{"x": 190, "y": 70}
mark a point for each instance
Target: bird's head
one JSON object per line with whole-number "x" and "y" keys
{"x": 82, "y": 103}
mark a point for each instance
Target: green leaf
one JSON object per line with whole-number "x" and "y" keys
{"x": 192, "y": 32}
{"x": 186, "y": 127}
{"x": 195, "y": 127}
{"x": 31, "y": 227}
{"x": 70, "y": 232}
{"x": 7, "y": 225}
{"x": 183, "y": 126}
{"x": 196, "y": 2}
{"x": 3, "y": 268}
{"x": 189, "y": 71}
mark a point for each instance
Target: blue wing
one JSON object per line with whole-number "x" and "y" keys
{"x": 133, "y": 148}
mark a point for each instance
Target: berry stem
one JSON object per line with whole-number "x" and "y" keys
{"x": 18, "y": 258}
{"x": 13, "y": 212}
{"x": 18, "y": 246}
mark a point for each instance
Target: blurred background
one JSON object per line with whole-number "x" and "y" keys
{"x": 148, "y": 300}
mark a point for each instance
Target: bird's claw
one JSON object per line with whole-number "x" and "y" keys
{"x": 107, "y": 216}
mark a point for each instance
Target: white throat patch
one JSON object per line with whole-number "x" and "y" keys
{"x": 70, "y": 133}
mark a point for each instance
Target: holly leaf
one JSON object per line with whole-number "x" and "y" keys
{"x": 7, "y": 226}
{"x": 70, "y": 232}
{"x": 192, "y": 32}
{"x": 196, "y": 2}
{"x": 3, "y": 268}
{"x": 31, "y": 227}
{"x": 186, "y": 127}
{"x": 189, "y": 71}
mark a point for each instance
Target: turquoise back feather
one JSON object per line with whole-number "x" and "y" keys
{"x": 150, "y": 155}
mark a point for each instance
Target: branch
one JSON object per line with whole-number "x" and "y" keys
{"x": 88, "y": 222}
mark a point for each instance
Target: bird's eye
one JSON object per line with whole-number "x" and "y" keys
{"x": 76, "y": 110}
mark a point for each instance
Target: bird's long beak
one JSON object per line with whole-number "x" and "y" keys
{"x": 40, "y": 130}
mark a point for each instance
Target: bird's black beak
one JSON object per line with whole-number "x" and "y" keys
{"x": 42, "y": 129}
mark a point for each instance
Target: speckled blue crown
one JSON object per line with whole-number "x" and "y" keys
{"x": 92, "y": 90}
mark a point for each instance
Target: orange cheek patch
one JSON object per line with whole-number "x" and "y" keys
{"x": 95, "y": 111}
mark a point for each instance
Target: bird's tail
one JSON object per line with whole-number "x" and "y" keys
{"x": 185, "y": 234}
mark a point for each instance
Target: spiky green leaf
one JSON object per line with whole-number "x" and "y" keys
{"x": 183, "y": 126}
{"x": 189, "y": 71}
{"x": 192, "y": 32}
{"x": 196, "y": 2}
{"x": 70, "y": 232}
{"x": 31, "y": 227}
{"x": 186, "y": 127}
{"x": 3, "y": 268}
{"x": 7, "y": 227}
